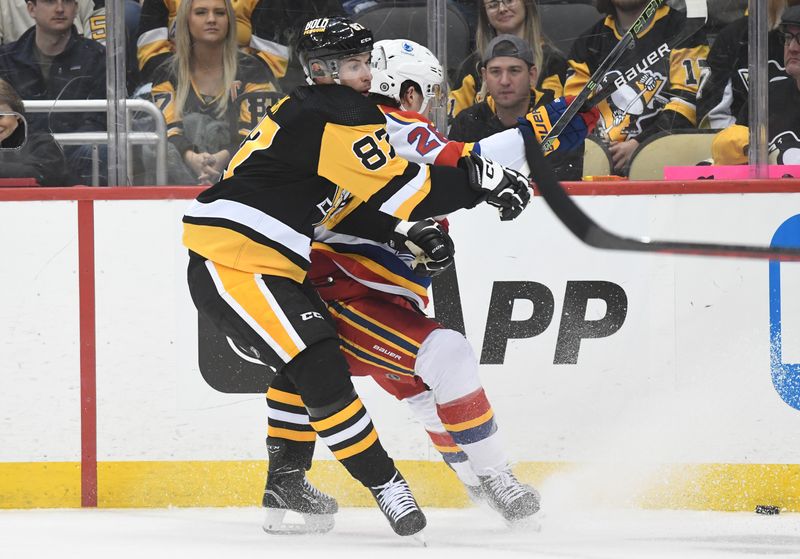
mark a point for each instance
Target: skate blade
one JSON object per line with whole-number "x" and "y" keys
{"x": 527, "y": 524}
{"x": 312, "y": 523}
{"x": 419, "y": 538}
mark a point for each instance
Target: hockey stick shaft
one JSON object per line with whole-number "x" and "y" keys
{"x": 592, "y": 234}
{"x": 613, "y": 57}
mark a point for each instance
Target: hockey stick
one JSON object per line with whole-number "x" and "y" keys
{"x": 592, "y": 234}
{"x": 696, "y": 12}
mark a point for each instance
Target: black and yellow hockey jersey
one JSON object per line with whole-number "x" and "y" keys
{"x": 253, "y": 91}
{"x": 282, "y": 182}
{"x": 468, "y": 83}
{"x": 663, "y": 96}
{"x": 157, "y": 26}
{"x": 724, "y": 90}
{"x": 730, "y": 146}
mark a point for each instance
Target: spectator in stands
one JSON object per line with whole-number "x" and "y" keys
{"x": 15, "y": 19}
{"x": 51, "y": 61}
{"x": 662, "y": 98}
{"x": 264, "y": 28}
{"x": 514, "y": 17}
{"x": 724, "y": 89}
{"x": 26, "y": 154}
{"x": 730, "y": 147}
{"x": 211, "y": 94}
{"x": 90, "y": 22}
{"x": 509, "y": 73}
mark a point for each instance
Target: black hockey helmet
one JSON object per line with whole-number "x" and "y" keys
{"x": 329, "y": 39}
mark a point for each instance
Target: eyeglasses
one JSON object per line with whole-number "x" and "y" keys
{"x": 786, "y": 38}
{"x": 494, "y": 5}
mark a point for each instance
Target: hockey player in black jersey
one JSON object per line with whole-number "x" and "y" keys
{"x": 249, "y": 238}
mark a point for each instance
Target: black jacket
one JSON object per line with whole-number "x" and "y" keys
{"x": 77, "y": 73}
{"x": 480, "y": 121}
{"x": 40, "y": 157}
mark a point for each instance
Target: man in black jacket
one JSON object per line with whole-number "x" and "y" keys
{"x": 52, "y": 61}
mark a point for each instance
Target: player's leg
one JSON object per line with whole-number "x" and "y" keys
{"x": 378, "y": 341}
{"x": 447, "y": 364}
{"x": 290, "y": 448}
{"x": 288, "y": 325}
{"x": 407, "y": 353}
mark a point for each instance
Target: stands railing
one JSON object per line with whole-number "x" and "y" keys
{"x": 94, "y": 139}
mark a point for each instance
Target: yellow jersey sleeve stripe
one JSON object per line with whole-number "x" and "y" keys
{"x": 683, "y": 108}
{"x": 339, "y": 417}
{"x": 151, "y": 43}
{"x": 357, "y": 448}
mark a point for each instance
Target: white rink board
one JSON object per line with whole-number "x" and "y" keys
{"x": 39, "y": 352}
{"x": 685, "y": 379}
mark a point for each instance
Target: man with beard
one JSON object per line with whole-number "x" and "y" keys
{"x": 730, "y": 146}
{"x": 663, "y": 96}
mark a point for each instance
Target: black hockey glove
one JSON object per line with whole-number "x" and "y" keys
{"x": 506, "y": 189}
{"x": 428, "y": 242}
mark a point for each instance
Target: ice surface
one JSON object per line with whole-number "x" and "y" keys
{"x": 362, "y": 532}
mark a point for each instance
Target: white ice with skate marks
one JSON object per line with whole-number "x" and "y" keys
{"x": 363, "y": 532}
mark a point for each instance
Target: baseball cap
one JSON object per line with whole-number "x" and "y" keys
{"x": 508, "y": 45}
{"x": 791, "y": 16}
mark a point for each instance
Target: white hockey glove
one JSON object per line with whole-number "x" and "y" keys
{"x": 428, "y": 242}
{"x": 506, "y": 189}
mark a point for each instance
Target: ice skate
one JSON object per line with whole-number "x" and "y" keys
{"x": 398, "y": 505}
{"x": 290, "y": 491}
{"x": 515, "y": 501}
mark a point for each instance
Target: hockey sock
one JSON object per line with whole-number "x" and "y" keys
{"x": 470, "y": 422}
{"x": 346, "y": 427}
{"x": 290, "y": 437}
{"x": 424, "y": 408}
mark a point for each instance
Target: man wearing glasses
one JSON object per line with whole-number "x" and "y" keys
{"x": 730, "y": 146}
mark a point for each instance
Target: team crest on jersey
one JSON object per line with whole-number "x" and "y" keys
{"x": 331, "y": 207}
{"x": 630, "y": 106}
{"x": 787, "y": 146}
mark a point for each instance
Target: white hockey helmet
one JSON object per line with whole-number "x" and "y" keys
{"x": 396, "y": 60}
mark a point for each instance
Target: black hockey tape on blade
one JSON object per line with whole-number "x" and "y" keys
{"x": 767, "y": 509}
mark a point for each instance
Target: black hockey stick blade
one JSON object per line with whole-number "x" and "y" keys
{"x": 594, "y": 235}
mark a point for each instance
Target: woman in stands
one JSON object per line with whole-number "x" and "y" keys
{"x": 515, "y": 17}
{"x": 211, "y": 94}
{"x": 27, "y": 155}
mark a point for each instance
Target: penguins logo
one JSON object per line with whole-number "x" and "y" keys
{"x": 788, "y": 147}
{"x": 634, "y": 102}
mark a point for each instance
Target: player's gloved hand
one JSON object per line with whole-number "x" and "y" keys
{"x": 506, "y": 189}
{"x": 540, "y": 121}
{"x": 429, "y": 242}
